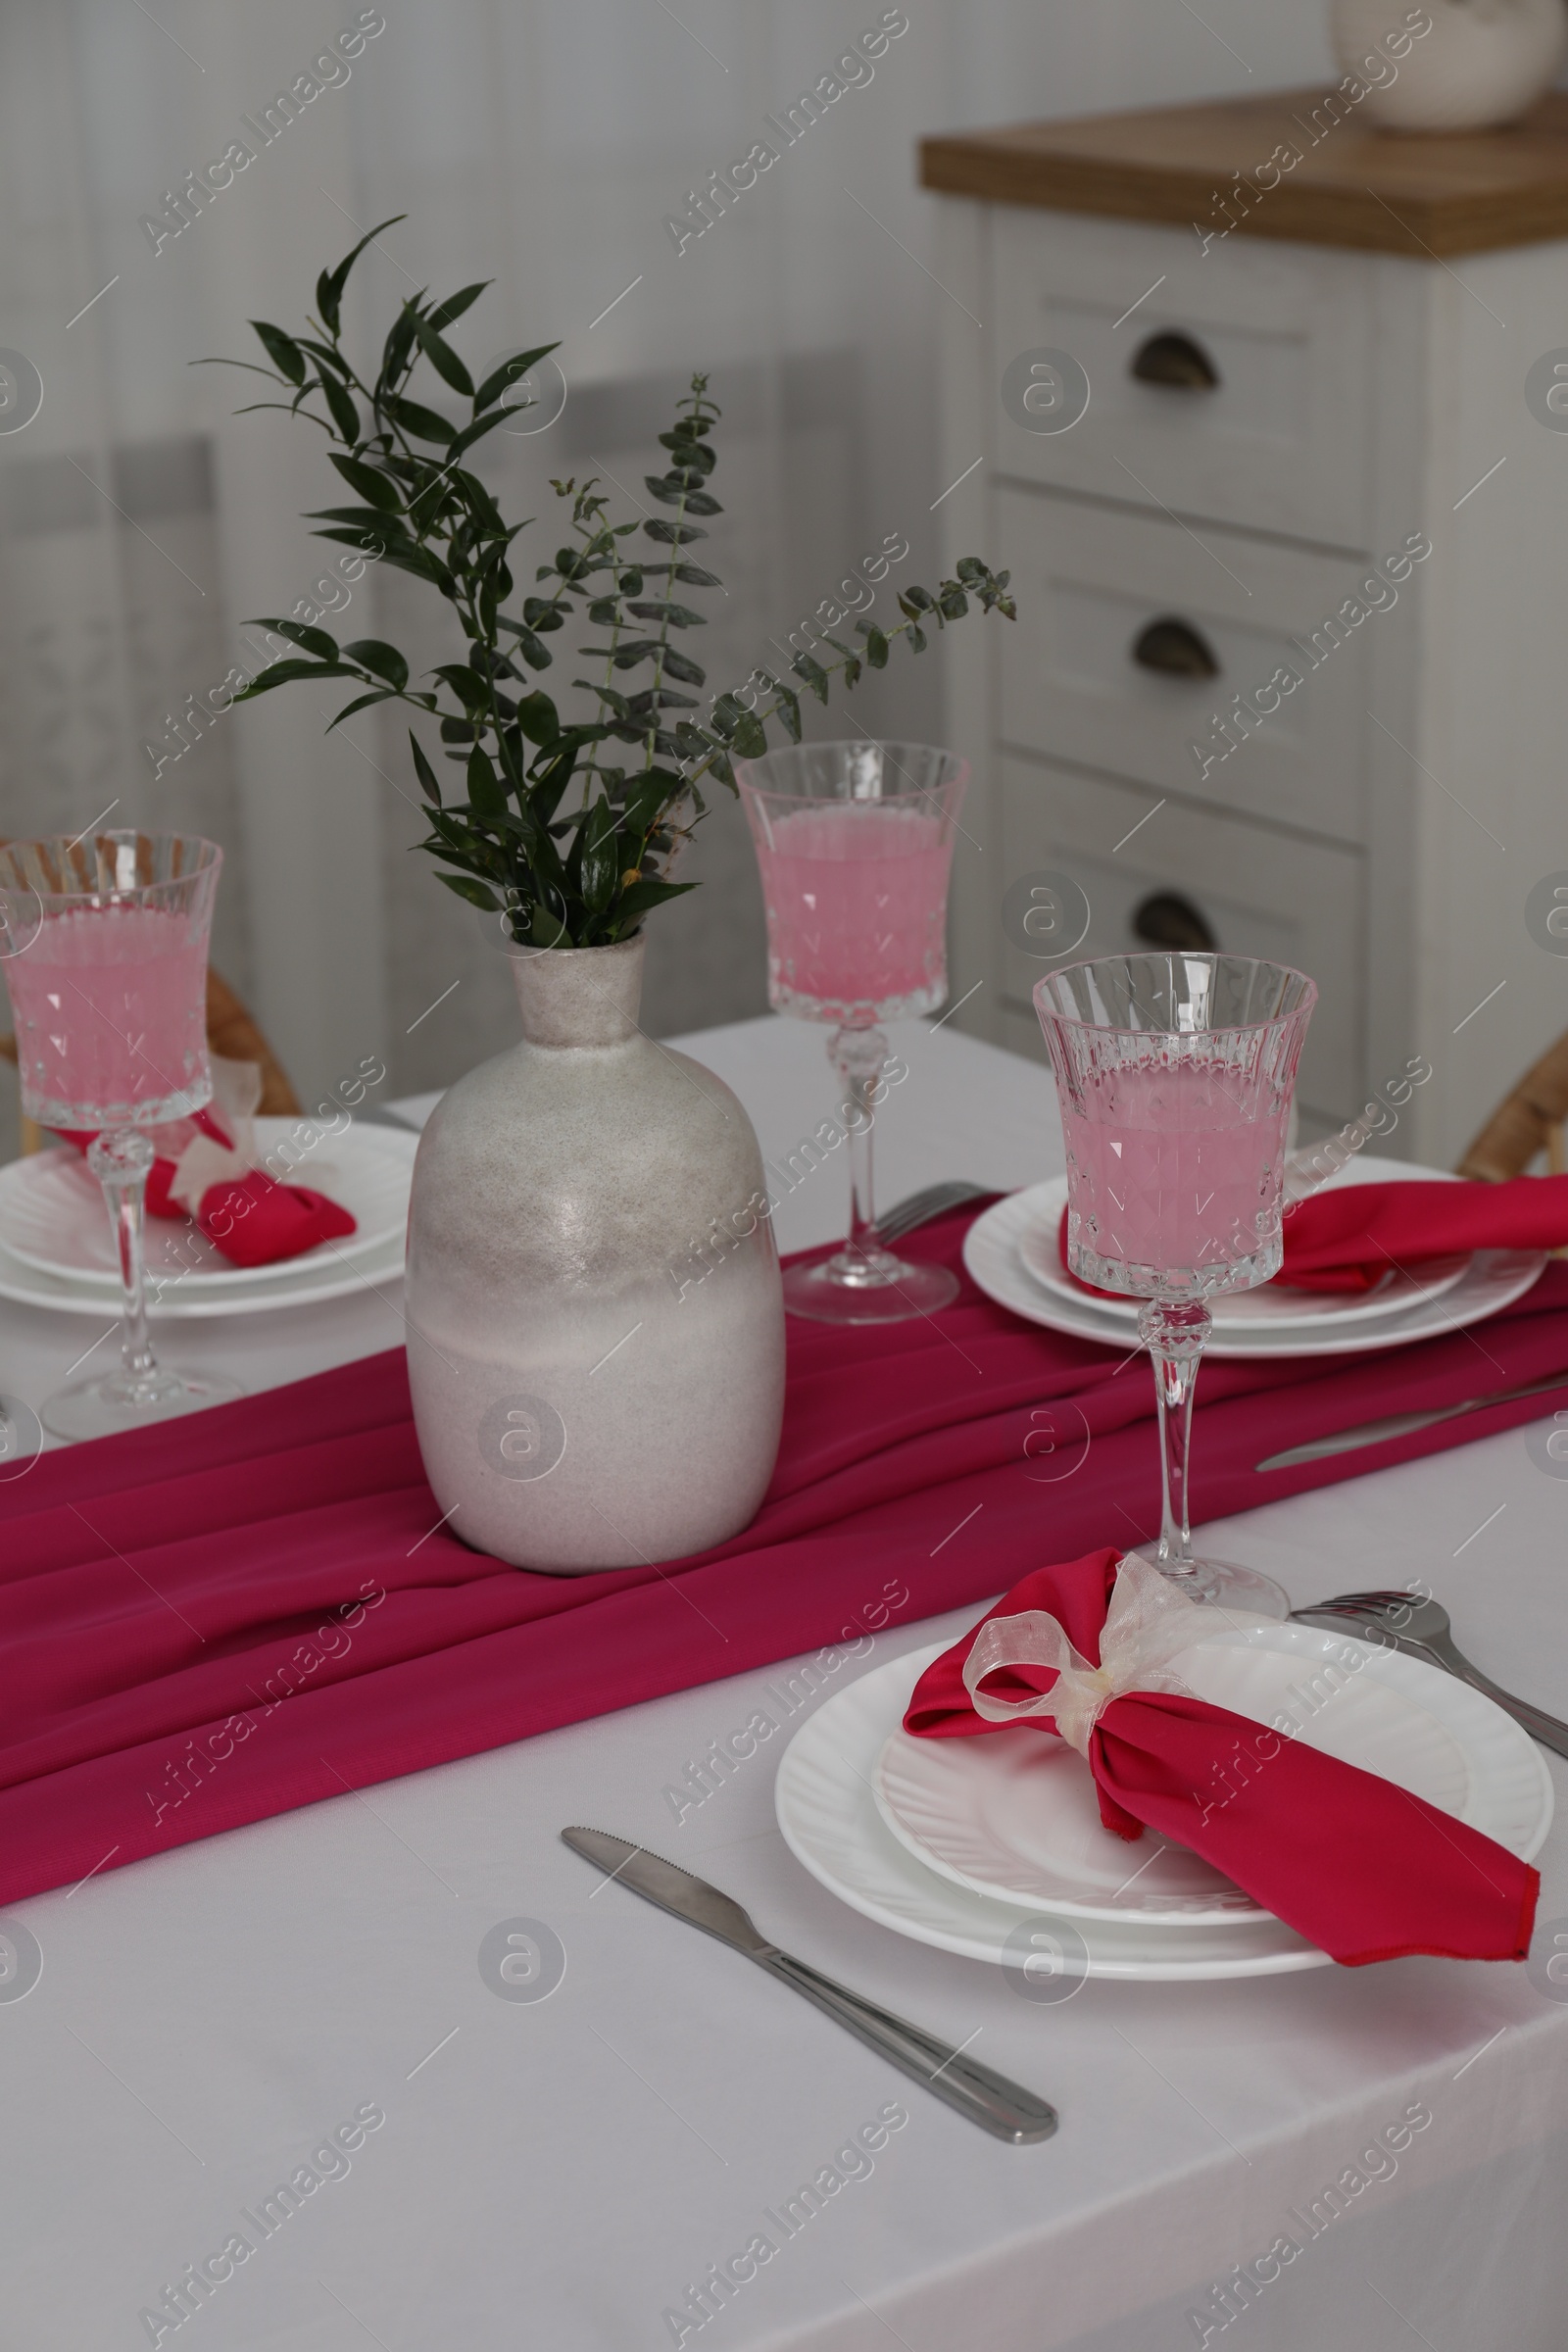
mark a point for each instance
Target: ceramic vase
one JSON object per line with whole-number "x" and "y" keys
{"x": 1481, "y": 64}
{"x": 596, "y": 1323}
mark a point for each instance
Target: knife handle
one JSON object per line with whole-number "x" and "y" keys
{"x": 999, "y": 2107}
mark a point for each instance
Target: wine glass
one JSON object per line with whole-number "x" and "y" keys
{"x": 104, "y": 943}
{"x": 855, "y": 842}
{"x": 1174, "y": 1074}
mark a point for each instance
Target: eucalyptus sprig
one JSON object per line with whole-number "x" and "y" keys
{"x": 569, "y": 875}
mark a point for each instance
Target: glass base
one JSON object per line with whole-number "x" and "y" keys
{"x": 102, "y": 1407}
{"x": 1222, "y": 1585}
{"x": 830, "y": 1293}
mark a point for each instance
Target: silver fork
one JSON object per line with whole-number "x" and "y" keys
{"x": 1422, "y": 1628}
{"x": 919, "y": 1208}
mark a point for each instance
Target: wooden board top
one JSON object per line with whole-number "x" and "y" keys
{"x": 1351, "y": 184}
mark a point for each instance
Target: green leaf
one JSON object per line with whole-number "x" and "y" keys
{"x": 345, "y": 416}
{"x": 877, "y": 648}
{"x": 511, "y": 371}
{"x": 472, "y": 689}
{"x": 917, "y": 639}
{"x": 429, "y": 783}
{"x": 477, "y": 894}
{"x": 789, "y": 711}
{"x": 673, "y": 534}
{"x": 540, "y": 612}
{"x": 538, "y": 719}
{"x": 546, "y": 930}
{"x": 478, "y": 430}
{"x": 456, "y": 304}
{"x": 486, "y": 794}
{"x": 537, "y": 655}
{"x": 679, "y": 616}
{"x": 813, "y": 673}
{"x": 282, "y": 350}
{"x": 382, "y": 694}
{"x": 639, "y": 898}
{"x": 372, "y": 653}
{"x": 441, "y": 356}
{"x": 600, "y": 864}
{"x": 329, "y": 287}
{"x": 311, "y": 641}
{"x": 676, "y": 664}
{"x": 750, "y": 740}
{"x": 372, "y": 485}
{"x": 696, "y": 578}
{"x": 426, "y": 424}
{"x": 282, "y": 673}
{"x": 325, "y": 357}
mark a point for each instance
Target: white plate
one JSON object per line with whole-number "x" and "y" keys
{"x": 311, "y": 1279}
{"x": 1492, "y": 1281}
{"x": 52, "y": 1214}
{"x": 1015, "y": 1815}
{"x": 830, "y": 1823}
{"x": 1243, "y": 1313}
{"x": 828, "y": 1816}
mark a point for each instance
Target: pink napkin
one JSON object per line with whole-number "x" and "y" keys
{"x": 252, "y": 1220}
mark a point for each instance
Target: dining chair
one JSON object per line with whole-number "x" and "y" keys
{"x": 1528, "y": 1120}
{"x": 234, "y": 1033}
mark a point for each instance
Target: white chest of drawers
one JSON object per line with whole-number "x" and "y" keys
{"x": 1353, "y": 495}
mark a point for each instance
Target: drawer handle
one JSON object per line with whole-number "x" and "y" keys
{"x": 1176, "y": 650}
{"x": 1175, "y": 359}
{"x": 1166, "y": 920}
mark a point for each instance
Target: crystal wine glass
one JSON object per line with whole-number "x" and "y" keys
{"x": 1174, "y": 1075}
{"x": 855, "y": 842}
{"x": 104, "y": 943}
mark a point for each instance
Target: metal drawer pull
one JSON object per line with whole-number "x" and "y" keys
{"x": 1175, "y": 649}
{"x": 1166, "y": 920}
{"x": 1173, "y": 359}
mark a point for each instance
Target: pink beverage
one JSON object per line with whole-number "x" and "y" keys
{"x": 856, "y": 903}
{"x": 1174, "y": 1178}
{"x": 111, "y": 1012}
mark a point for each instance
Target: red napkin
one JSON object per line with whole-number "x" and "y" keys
{"x": 224, "y": 1616}
{"x": 1348, "y": 1238}
{"x": 252, "y": 1220}
{"x": 1360, "y": 1868}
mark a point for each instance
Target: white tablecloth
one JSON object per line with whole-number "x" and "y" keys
{"x": 563, "y": 2173}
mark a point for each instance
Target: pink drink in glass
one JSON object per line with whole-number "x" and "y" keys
{"x": 1175, "y": 1177}
{"x": 856, "y": 901}
{"x": 109, "y": 1004}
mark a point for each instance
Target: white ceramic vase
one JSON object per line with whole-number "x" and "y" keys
{"x": 1482, "y": 63}
{"x": 596, "y": 1323}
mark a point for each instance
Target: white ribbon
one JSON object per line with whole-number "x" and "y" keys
{"x": 1147, "y": 1623}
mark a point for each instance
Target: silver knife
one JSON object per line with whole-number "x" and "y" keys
{"x": 1400, "y": 1425}
{"x": 989, "y": 2099}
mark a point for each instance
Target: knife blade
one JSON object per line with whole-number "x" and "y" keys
{"x": 1001, "y": 2107}
{"x": 1401, "y": 1425}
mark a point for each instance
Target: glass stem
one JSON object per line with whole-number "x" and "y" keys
{"x": 122, "y": 1162}
{"x": 858, "y": 1056}
{"x": 1175, "y": 1335}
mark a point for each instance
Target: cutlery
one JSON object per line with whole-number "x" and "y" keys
{"x": 920, "y": 1207}
{"x": 1421, "y": 1628}
{"x": 989, "y": 2099}
{"x": 1400, "y": 1425}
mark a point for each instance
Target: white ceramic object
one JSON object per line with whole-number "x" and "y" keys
{"x": 52, "y": 1209}
{"x": 1482, "y": 63}
{"x": 1240, "y": 1313}
{"x": 307, "y": 1283}
{"x": 829, "y": 1821}
{"x": 992, "y": 1252}
{"x": 596, "y": 1322}
{"x": 1015, "y": 1815}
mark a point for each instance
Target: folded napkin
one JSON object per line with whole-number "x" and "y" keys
{"x": 1349, "y": 1237}
{"x": 206, "y": 1170}
{"x": 1359, "y": 1866}
{"x": 223, "y": 1616}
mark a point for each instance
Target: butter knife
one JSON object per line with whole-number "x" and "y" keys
{"x": 989, "y": 2099}
{"x": 1400, "y": 1425}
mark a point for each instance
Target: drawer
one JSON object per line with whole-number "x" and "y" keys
{"x": 1090, "y": 583}
{"x": 1261, "y": 893}
{"x": 1282, "y": 442}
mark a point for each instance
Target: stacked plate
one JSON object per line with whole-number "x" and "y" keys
{"x": 1014, "y": 1254}
{"x": 56, "y": 1250}
{"x": 993, "y": 1846}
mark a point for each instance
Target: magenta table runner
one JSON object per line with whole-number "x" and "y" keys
{"x": 216, "y": 1620}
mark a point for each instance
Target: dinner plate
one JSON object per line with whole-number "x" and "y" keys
{"x": 828, "y": 1816}
{"x": 829, "y": 1821}
{"x": 1015, "y": 1815}
{"x": 1270, "y": 1307}
{"x": 309, "y": 1282}
{"x": 52, "y": 1215}
{"x": 1491, "y": 1281}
